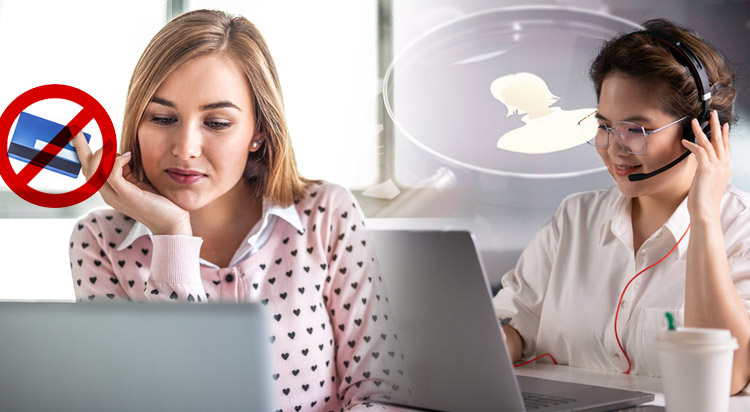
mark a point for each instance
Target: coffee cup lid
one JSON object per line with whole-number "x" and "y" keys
{"x": 697, "y": 337}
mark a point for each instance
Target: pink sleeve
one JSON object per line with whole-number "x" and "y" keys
{"x": 175, "y": 269}
{"x": 367, "y": 358}
{"x": 174, "y": 273}
{"x": 94, "y": 278}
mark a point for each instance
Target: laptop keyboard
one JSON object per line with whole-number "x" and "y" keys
{"x": 537, "y": 400}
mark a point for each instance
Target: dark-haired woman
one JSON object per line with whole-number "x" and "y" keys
{"x": 571, "y": 294}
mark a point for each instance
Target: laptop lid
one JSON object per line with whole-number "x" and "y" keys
{"x": 456, "y": 357}
{"x": 446, "y": 324}
{"x": 133, "y": 357}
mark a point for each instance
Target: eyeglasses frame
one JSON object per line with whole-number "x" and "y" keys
{"x": 613, "y": 131}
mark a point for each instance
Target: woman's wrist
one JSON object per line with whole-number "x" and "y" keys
{"x": 176, "y": 259}
{"x": 704, "y": 219}
{"x": 514, "y": 341}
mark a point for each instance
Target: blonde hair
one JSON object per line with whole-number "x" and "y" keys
{"x": 197, "y": 33}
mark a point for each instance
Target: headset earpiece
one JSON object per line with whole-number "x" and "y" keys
{"x": 687, "y": 132}
{"x": 685, "y": 56}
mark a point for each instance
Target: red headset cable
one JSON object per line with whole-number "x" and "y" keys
{"x": 535, "y": 359}
{"x": 617, "y": 313}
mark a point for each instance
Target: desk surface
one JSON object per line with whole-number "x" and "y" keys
{"x": 738, "y": 403}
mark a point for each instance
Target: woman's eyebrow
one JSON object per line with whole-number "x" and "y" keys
{"x": 633, "y": 119}
{"x": 163, "y": 102}
{"x": 220, "y": 105}
{"x": 217, "y": 105}
{"x": 639, "y": 119}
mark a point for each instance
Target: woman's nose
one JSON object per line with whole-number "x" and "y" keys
{"x": 614, "y": 147}
{"x": 188, "y": 142}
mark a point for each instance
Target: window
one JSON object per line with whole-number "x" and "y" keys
{"x": 326, "y": 56}
{"x": 327, "y": 64}
{"x": 88, "y": 44}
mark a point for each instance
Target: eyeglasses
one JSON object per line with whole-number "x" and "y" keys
{"x": 632, "y": 137}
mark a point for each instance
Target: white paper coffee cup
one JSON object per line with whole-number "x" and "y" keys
{"x": 696, "y": 368}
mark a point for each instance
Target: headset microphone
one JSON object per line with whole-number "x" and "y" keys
{"x": 684, "y": 54}
{"x": 637, "y": 177}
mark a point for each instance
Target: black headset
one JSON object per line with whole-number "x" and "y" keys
{"x": 684, "y": 55}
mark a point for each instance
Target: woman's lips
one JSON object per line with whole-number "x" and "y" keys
{"x": 185, "y": 177}
{"x": 624, "y": 170}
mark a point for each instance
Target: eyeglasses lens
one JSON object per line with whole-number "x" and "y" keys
{"x": 630, "y": 136}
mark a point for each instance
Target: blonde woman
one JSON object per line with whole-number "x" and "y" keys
{"x": 209, "y": 206}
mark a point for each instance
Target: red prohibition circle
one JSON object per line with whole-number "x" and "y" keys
{"x": 91, "y": 110}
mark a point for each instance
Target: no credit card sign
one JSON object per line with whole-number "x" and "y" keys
{"x": 91, "y": 110}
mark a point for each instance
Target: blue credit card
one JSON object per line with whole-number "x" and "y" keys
{"x": 32, "y": 134}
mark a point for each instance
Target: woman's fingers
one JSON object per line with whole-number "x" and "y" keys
{"x": 725, "y": 136}
{"x": 714, "y": 150}
{"x": 127, "y": 174}
{"x": 93, "y": 164}
{"x": 134, "y": 198}
{"x": 116, "y": 180}
{"x": 84, "y": 153}
{"x": 702, "y": 141}
{"x": 698, "y": 150}
{"x": 717, "y": 135}
{"x": 146, "y": 187}
{"x": 90, "y": 163}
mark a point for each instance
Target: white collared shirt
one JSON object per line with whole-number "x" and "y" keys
{"x": 255, "y": 239}
{"x": 563, "y": 293}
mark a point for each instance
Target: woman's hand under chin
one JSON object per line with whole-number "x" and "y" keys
{"x": 139, "y": 200}
{"x": 713, "y": 171}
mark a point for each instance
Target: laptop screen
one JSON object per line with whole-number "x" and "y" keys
{"x": 136, "y": 357}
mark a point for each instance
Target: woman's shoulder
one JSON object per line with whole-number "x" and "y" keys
{"x": 737, "y": 198}
{"x": 735, "y": 211}
{"x": 322, "y": 192}
{"x": 735, "y": 223}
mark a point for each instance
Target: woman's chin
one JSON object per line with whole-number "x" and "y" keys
{"x": 187, "y": 202}
{"x": 628, "y": 193}
{"x": 628, "y": 188}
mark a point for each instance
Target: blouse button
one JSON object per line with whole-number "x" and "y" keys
{"x": 643, "y": 252}
{"x": 624, "y": 304}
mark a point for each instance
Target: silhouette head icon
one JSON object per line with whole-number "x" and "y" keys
{"x": 523, "y": 93}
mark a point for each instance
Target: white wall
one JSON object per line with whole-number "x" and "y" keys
{"x": 34, "y": 256}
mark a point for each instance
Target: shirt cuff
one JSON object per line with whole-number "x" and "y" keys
{"x": 176, "y": 259}
{"x": 521, "y": 320}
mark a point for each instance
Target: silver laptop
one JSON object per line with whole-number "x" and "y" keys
{"x": 455, "y": 354}
{"x": 133, "y": 357}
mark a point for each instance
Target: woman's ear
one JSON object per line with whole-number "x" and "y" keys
{"x": 257, "y": 142}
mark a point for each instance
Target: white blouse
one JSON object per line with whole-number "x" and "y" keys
{"x": 563, "y": 292}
